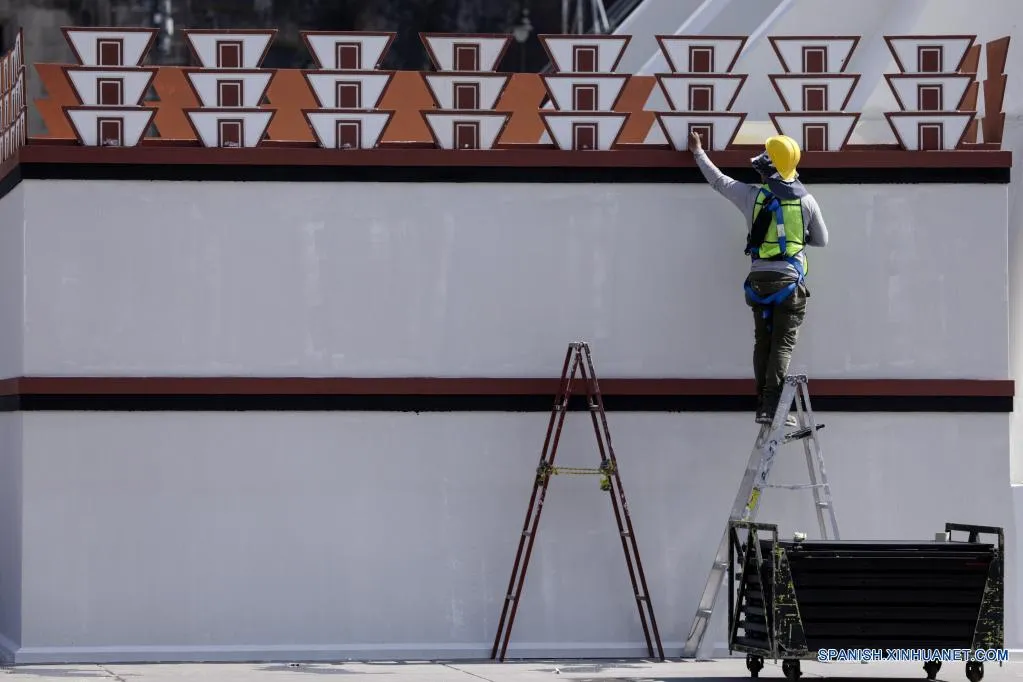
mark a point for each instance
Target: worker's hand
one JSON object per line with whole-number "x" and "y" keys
{"x": 695, "y": 143}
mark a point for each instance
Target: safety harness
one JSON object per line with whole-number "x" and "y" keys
{"x": 771, "y": 206}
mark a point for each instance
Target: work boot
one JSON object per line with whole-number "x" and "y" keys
{"x": 765, "y": 416}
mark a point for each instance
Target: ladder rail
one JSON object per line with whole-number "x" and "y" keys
{"x": 805, "y": 419}
{"x": 814, "y": 443}
{"x": 535, "y": 507}
{"x": 621, "y": 507}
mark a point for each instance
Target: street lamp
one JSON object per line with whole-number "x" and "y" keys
{"x": 522, "y": 31}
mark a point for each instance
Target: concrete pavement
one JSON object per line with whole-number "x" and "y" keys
{"x": 722, "y": 670}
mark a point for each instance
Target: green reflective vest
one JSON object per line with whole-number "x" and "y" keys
{"x": 792, "y": 214}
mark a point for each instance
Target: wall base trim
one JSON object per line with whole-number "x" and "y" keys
{"x": 322, "y": 653}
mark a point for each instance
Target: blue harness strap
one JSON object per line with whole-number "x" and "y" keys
{"x": 771, "y": 203}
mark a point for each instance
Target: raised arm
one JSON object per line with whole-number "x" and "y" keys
{"x": 741, "y": 194}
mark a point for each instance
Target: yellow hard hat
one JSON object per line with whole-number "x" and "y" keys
{"x": 784, "y": 153}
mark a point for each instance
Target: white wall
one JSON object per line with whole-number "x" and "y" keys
{"x": 147, "y": 278}
{"x": 374, "y": 535}
{"x": 12, "y": 286}
{"x": 11, "y": 478}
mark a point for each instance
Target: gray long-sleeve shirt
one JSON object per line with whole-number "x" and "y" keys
{"x": 744, "y": 197}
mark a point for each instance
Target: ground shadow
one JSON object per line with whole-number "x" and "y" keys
{"x": 61, "y": 673}
{"x": 315, "y": 669}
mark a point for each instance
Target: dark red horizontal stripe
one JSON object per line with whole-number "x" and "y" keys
{"x": 483, "y": 386}
{"x": 404, "y": 156}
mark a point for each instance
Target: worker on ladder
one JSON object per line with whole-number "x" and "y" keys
{"x": 782, "y": 218}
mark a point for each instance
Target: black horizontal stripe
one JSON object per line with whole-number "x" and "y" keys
{"x": 41, "y": 402}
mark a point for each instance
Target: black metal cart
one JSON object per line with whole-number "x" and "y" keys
{"x": 790, "y": 599}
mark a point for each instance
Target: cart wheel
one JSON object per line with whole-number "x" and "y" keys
{"x": 791, "y": 669}
{"x": 932, "y": 668}
{"x": 754, "y": 664}
{"x": 974, "y": 671}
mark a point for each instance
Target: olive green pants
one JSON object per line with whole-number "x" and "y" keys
{"x": 774, "y": 337}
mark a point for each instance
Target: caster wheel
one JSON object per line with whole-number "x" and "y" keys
{"x": 974, "y": 671}
{"x": 791, "y": 670}
{"x": 932, "y": 668}
{"x": 754, "y": 664}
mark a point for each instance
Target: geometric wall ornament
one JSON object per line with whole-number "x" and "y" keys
{"x": 110, "y": 126}
{"x": 995, "y": 80}
{"x": 930, "y": 90}
{"x": 584, "y": 131}
{"x": 815, "y": 90}
{"x": 701, "y": 89}
{"x": 223, "y": 49}
{"x": 229, "y": 86}
{"x": 348, "y": 129}
{"x": 814, "y": 54}
{"x": 109, "y": 84}
{"x": 584, "y": 91}
{"x": 585, "y": 53}
{"x": 474, "y": 92}
{"x": 929, "y": 54}
{"x": 717, "y": 130}
{"x": 348, "y": 50}
{"x": 465, "y": 130}
{"x": 110, "y": 46}
{"x": 929, "y": 131}
{"x": 13, "y": 108}
{"x": 595, "y": 92}
{"x": 472, "y": 52}
{"x": 348, "y": 87}
{"x": 688, "y": 92}
{"x": 926, "y": 92}
{"x": 465, "y": 89}
{"x": 701, "y": 54}
{"x": 229, "y": 127}
{"x": 826, "y": 131}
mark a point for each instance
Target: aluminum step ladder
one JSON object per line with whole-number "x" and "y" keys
{"x": 758, "y": 469}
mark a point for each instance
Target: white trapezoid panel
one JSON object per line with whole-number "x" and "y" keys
{"x": 564, "y": 55}
{"x": 567, "y": 130}
{"x": 325, "y": 87}
{"x": 371, "y": 125}
{"x": 565, "y": 95}
{"x": 690, "y": 54}
{"x": 914, "y": 128}
{"x": 133, "y": 44}
{"x": 443, "y": 48}
{"x": 802, "y": 93}
{"x": 208, "y": 85}
{"x": 945, "y": 91}
{"x": 687, "y": 93}
{"x": 489, "y": 88}
{"x": 837, "y": 51}
{"x": 86, "y": 82}
{"x": 324, "y": 48}
{"x": 444, "y": 125}
{"x": 132, "y": 126}
{"x": 208, "y": 125}
{"x": 952, "y": 50}
{"x": 252, "y": 47}
{"x": 837, "y": 125}
{"x": 677, "y": 126}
